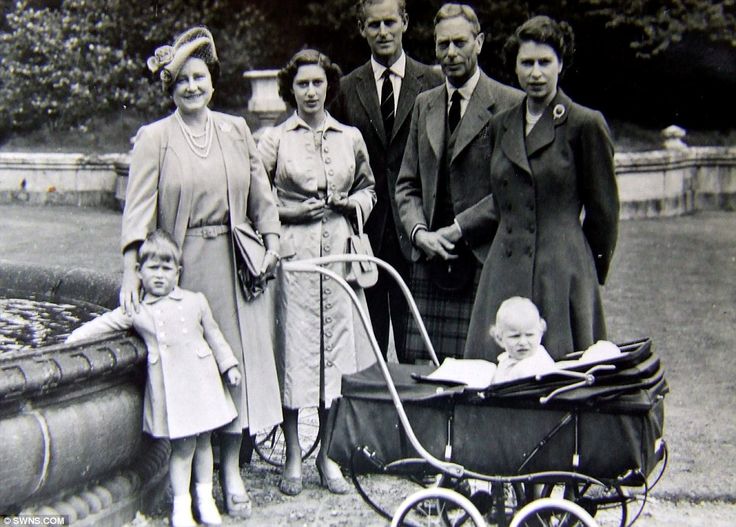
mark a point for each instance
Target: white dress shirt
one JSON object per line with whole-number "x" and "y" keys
{"x": 466, "y": 90}
{"x": 398, "y": 69}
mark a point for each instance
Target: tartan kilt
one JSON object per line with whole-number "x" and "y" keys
{"x": 446, "y": 315}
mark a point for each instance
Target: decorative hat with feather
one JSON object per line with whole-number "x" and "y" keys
{"x": 167, "y": 61}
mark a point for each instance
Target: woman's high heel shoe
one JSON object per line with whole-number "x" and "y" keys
{"x": 291, "y": 486}
{"x": 238, "y": 505}
{"x": 336, "y": 485}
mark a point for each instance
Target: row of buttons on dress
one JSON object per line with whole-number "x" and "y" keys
{"x": 529, "y": 251}
{"x": 531, "y": 227}
{"x": 326, "y": 250}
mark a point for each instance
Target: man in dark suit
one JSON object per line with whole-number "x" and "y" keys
{"x": 378, "y": 98}
{"x": 445, "y": 172}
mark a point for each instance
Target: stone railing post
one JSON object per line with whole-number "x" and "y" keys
{"x": 673, "y": 137}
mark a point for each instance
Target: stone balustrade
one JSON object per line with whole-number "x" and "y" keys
{"x": 651, "y": 184}
{"x": 60, "y": 179}
{"x": 676, "y": 181}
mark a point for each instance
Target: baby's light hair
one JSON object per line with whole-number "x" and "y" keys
{"x": 513, "y": 304}
{"x": 159, "y": 244}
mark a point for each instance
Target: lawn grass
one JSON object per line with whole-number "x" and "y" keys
{"x": 675, "y": 280}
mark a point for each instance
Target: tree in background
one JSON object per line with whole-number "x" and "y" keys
{"x": 657, "y": 62}
{"x": 66, "y": 61}
{"x": 58, "y": 65}
{"x": 647, "y": 26}
{"x": 659, "y": 24}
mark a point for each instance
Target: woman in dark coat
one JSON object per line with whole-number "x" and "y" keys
{"x": 555, "y": 198}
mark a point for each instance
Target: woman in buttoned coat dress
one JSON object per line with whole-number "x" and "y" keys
{"x": 321, "y": 174}
{"x": 556, "y": 199}
{"x": 194, "y": 174}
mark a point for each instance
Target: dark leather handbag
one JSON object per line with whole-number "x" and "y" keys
{"x": 249, "y": 255}
{"x": 360, "y": 274}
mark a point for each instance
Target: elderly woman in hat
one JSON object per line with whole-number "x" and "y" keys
{"x": 195, "y": 173}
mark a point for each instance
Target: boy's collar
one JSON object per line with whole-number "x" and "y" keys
{"x": 176, "y": 294}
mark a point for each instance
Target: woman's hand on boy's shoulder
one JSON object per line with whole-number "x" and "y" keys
{"x": 130, "y": 292}
{"x": 233, "y": 376}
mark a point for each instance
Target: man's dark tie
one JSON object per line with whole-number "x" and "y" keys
{"x": 454, "y": 115}
{"x": 387, "y": 102}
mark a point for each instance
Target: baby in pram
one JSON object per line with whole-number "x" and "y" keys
{"x": 518, "y": 330}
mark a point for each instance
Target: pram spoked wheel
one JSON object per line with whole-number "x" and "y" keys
{"x": 270, "y": 445}
{"x": 607, "y": 504}
{"x": 437, "y": 506}
{"x": 551, "y": 512}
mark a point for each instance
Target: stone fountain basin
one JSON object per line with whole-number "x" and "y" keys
{"x": 70, "y": 415}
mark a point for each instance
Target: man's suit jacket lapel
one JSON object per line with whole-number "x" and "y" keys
{"x": 436, "y": 115}
{"x": 369, "y": 99}
{"x": 477, "y": 114}
{"x": 435, "y": 132}
{"x": 410, "y": 88}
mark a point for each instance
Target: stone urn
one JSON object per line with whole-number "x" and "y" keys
{"x": 265, "y": 102}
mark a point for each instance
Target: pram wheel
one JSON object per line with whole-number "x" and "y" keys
{"x": 382, "y": 487}
{"x": 270, "y": 445}
{"x": 437, "y": 506}
{"x": 607, "y": 504}
{"x": 551, "y": 512}
{"x": 496, "y": 501}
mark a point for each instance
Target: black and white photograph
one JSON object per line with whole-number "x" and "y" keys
{"x": 367, "y": 263}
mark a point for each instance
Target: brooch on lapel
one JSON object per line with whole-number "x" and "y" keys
{"x": 226, "y": 127}
{"x": 558, "y": 111}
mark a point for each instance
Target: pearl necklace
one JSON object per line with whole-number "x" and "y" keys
{"x": 200, "y": 149}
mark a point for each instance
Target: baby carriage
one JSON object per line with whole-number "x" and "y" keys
{"x": 579, "y": 446}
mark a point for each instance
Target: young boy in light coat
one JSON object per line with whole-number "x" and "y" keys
{"x": 184, "y": 398}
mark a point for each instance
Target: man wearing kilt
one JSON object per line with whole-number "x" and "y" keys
{"x": 443, "y": 174}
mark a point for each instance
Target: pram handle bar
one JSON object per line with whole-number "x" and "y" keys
{"x": 312, "y": 265}
{"x": 586, "y": 379}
